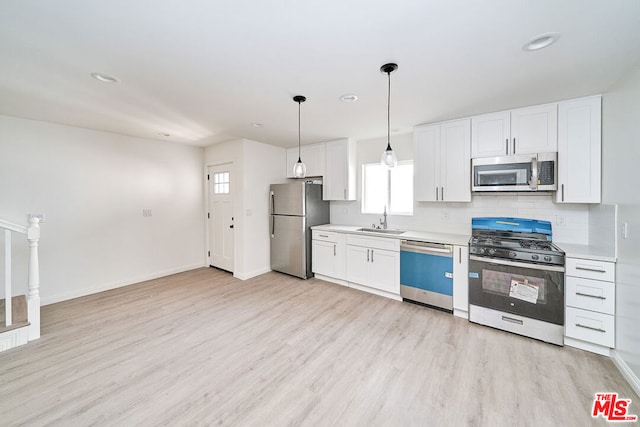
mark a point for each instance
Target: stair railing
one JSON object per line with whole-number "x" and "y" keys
{"x": 33, "y": 295}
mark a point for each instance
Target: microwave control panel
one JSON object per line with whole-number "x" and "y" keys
{"x": 546, "y": 173}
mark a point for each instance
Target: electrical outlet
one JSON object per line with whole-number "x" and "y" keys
{"x": 445, "y": 215}
{"x": 345, "y": 210}
{"x": 40, "y": 216}
{"x": 147, "y": 212}
{"x": 561, "y": 221}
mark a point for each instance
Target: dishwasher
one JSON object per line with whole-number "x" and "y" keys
{"x": 426, "y": 273}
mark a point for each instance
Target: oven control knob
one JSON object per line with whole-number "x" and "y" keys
{"x": 492, "y": 251}
{"x": 512, "y": 254}
{"x": 547, "y": 258}
{"x": 534, "y": 257}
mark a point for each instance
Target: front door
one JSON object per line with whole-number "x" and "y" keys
{"x": 221, "y": 216}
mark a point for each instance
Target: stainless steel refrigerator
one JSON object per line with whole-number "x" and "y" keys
{"x": 294, "y": 208}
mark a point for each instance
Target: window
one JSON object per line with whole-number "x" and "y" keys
{"x": 221, "y": 183}
{"x": 392, "y": 188}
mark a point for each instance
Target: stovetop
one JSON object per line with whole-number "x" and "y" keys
{"x": 516, "y": 239}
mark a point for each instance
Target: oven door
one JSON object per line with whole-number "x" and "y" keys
{"x": 530, "y": 290}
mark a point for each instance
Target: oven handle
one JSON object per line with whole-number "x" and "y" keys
{"x": 516, "y": 264}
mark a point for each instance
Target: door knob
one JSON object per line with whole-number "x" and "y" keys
{"x": 231, "y": 226}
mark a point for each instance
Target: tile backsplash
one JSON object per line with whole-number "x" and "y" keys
{"x": 570, "y": 222}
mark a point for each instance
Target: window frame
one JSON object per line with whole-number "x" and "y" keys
{"x": 387, "y": 202}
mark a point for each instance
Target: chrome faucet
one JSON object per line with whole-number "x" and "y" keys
{"x": 383, "y": 224}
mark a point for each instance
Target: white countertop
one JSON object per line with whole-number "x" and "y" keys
{"x": 592, "y": 252}
{"x": 423, "y": 236}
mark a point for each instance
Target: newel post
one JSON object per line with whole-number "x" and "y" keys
{"x": 33, "y": 296}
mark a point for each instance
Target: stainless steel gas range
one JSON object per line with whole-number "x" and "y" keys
{"x": 516, "y": 278}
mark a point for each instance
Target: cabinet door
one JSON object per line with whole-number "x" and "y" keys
{"x": 339, "y": 181}
{"x": 292, "y": 158}
{"x": 461, "y": 280}
{"x": 313, "y": 156}
{"x": 579, "y": 150}
{"x": 490, "y": 135}
{"x": 534, "y": 129}
{"x": 358, "y": 259}
{"x": 324, "y": 256}
{"x": 455, "y": 158}
{"x": 426, "y": 163}
{"x": 384, "y": 271}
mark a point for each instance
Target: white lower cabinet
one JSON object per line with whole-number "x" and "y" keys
{"x": 374, "y": 263}
{"x": 461, "y": 281}
{"x": 327, "y": 254}
{"x": 590, "y": 305}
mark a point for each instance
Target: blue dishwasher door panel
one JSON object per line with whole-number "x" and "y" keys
{"x": 428, "y": 272}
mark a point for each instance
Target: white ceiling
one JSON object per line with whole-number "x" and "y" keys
{"x": 204, "y": 70}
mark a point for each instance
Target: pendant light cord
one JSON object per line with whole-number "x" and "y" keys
{"x": 389, "y": 113}
{"x": 299, "y": 159}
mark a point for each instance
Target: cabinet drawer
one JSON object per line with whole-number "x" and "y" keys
{"x": 589, "y": 269}
{"x": 589, "y": 326}
{"x": 589, "y": 294}
{"x": 327, "y": 236}
{"x": 389, "y": 244}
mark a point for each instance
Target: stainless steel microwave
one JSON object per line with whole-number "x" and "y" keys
{"x": 520, "y": 172}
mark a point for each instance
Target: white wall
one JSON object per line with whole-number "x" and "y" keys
{"x": 456, "y": 217}
{"x": 92, "y": 187}
{"x": 256, "y": 166}
{"x": 621, "y": 158}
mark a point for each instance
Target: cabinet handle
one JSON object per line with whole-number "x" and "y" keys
{"x": 323, "y": 235}
{"x": 587, "y": 268}
{"x": 442, "y": 194}
{"x": 514, "y": 146}
{"x": 371, "y": 255}
{"x": 562, "y": 190}
{"x": 334, "y": 250}
{"x": 591, "y": 296}
{"x": 345, "y": 193}
{"x": 436, "y": 194}
{"x": 367, "y": 255}
{"x": 589, "y": 327}
{"x": 459, "y": 255}
{"x": 506, "y": 146}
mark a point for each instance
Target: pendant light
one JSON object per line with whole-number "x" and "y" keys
{"x": 299, "y": 169}
{"x": 388, "y": 155}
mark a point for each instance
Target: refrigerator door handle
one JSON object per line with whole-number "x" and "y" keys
{"x": 273, "y": 201}
{"x": 273, "y": 226}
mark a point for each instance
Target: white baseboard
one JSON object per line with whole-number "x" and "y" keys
{"x": 626, "y": 371}
{"x": 117, "y": 284}
{"x": 587, "y": 346}
{"x": 331, "y": 280}
{"x": 251, "y": 274}
{"x": 14, "y": 338}
{"x": 461, "y": 313}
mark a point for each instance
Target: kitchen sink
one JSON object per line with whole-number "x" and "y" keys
{"x": 380, "y": 230}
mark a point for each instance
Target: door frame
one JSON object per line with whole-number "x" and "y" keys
{"x": 206, "y": 206}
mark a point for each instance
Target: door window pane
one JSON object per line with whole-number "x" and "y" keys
{"x": 221, "y": 183}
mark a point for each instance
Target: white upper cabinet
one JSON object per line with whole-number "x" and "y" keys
{"x": 490, "y": 135}
{"x": 442, "y": 162}
{"x": 534, "y": 129}
{"x": 340, "y": 175}
{"x": 313, "y": 156}
{"x": 579, "y": 150}
{"x": 523, "y": 131}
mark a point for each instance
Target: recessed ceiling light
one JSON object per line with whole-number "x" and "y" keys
{"x": 541, "y": 41}
{"x": 104, "y": 78}
{"x": 256, "y": 125}
{"x": 349, "y": 97}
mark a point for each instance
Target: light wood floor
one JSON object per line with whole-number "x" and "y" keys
{"x": 202, "y": 348}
